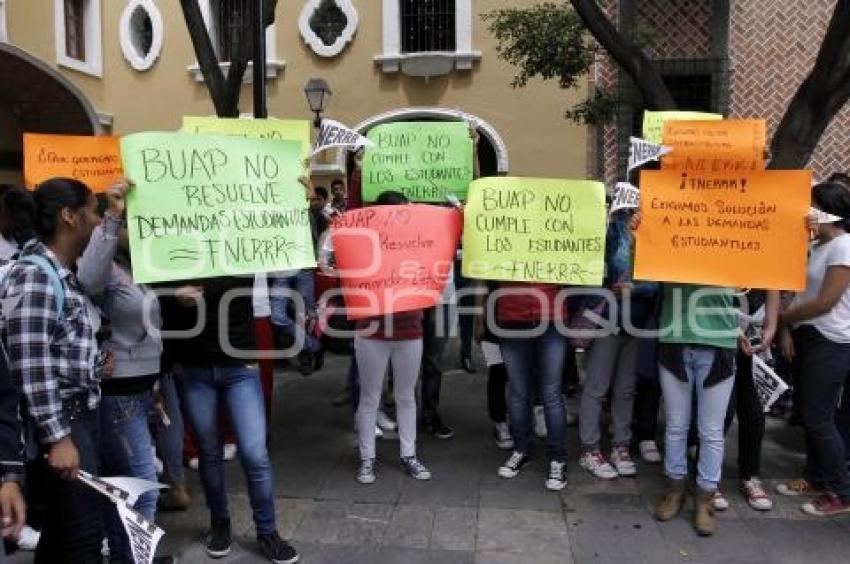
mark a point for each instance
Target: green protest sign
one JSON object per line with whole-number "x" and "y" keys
{"x": 279, "y": 129}
{"x": 535, "y": 230}
{"x": 211, "y": 205}
{"x": 425, "y": 161}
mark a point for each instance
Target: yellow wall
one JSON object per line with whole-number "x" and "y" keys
{"x": 540, "y": 141}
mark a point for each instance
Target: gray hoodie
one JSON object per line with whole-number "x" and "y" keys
{"x": 135, "y": 350}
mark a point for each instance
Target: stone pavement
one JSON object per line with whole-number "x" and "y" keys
{"x": 467, "y": 514}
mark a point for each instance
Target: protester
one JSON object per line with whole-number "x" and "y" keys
{"x": 395, "y": 339}
{"x": 49, "y": 329}
{"x": 612, "y": 359}
{"x": 526, "y": 316}
{"x": 816, "y": 337}
{"x": 339, "y": 200}
{"x": 497, "y": 373}
{"x": 647, "y": 400}
{"x": 132, "y": 313}
{"x": 169, "y": 432}
{"x": 16, "y": 213}
{"x": 12, "y": 471}
{"x": 322, "y": 209}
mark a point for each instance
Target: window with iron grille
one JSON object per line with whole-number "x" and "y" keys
{"x": 75, "y": 29}
{"x": 230, "y": 18}
{"x": 427, "y": 25}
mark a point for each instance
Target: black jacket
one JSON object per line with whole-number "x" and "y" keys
{"x": 11, "y": 461}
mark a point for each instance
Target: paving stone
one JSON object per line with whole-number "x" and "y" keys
{"x": 454, "y": 528}
{"x": 521, "y": 531}
{"x": 409, "y": 527}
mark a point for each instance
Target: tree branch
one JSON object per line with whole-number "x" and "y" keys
{"x": 821, "y": 95}
{"x": 627, "y": 55}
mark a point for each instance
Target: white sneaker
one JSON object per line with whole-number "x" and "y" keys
{"x": 539, "y": 422}
{"x": 720, "y": 502}
{"x": 622, "y": 460}
{"x": 228, "y": 452}
{"x": 557, "y": 479}
{"x": 386, "y": 424}
{"x": 28, "y": 539}
{"x": 366, "y": 472}
{"x": 755, "y": 495}
{"x": 649, "y": 452}
{"x": 504, "y": 441}
{"x": 194, "y": 463}
{"x": 596, "y": 464}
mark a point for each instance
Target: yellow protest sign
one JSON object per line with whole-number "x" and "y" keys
{"x": 277, "y": 129}
{"x": 729, "y": 145}
{"x": 745, "y": 230}
{"x": 653, "y": 122}
{"x": 535, "y": 230}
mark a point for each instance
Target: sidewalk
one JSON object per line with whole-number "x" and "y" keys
{"x": 467, "y": 514}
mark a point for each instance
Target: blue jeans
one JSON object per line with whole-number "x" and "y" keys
{"x": 523, "y": 357}
{"x": 711, "y": 405}
{"x": 125, "y": 450}
{"x": 303, "y": 283}
{"x": 169, "y": 438}
{"x": 202, "y": 389}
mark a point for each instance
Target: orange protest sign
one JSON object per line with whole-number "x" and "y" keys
{"x": 394, "y": 258}
{"x": 96, "y": 161}
{"x": 722, "y": 146}
{"x": 724, "y": 230}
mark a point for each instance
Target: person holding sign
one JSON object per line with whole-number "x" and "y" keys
{"x": 816, "y": 338}
{"x": 48, "y": 328}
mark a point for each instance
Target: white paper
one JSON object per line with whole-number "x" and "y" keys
{"x": 492, "y": 353}
{"x": 626, "y": 196}
{"x": 120, "y": 489}
{"x": 769, "y": 386}
{"x": 641, "y": 152}
{"x": 144, "y": 536}
{"x": 824, "y": 217}
{"x": 335, "y": 134}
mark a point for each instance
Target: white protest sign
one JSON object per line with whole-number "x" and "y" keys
{"x": 626, "y": 196}
{"x": 335, "y": 134}
{"x": 641, "y": 152}
{"x": 824, "y": 217}
{"x": 144, "y": 536}
{"x": 769, "y": 386}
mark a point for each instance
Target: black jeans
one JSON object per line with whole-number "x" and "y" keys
{"x": 647, "y": 391}
{"x": 821, "y": 367}
{"x": 434, "y": 338}
{"x": 750, "y": 414}
{"x": 73, "y": 528}
{"x": 497, "y": 383}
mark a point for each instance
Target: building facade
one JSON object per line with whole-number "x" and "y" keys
{"x": 128, "y": 65}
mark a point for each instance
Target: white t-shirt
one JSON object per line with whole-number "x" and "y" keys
{"x": 8, "y": 249}
{"x": 834, "y": 325}
{"x": 260, "y": 297}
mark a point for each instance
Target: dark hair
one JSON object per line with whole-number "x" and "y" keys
{"x": 51, "y": 197}
{"x": 321, "y": 191}
{"x": 834, "y": 198}
{"x": 391, "y": 198}
{"x": 336, "y": 181}
{"x": 18, "y": 206}
{"x": 840, "y": 178}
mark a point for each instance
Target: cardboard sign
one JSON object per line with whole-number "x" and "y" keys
{"x": 394, "y": 258}
{"x": 653, "y": 122}
{"x": 425, "y": 161}
{"x": 276, "y": 129}
{"x": 212, "y": 205}
{"x": 626, "y": 197}
{"x": 715, "y": 147}
{"x": 535, "y": 230}
{"x": 724, "y": 230}
{"x": 95, "y": 161}
{"x": 335, "y": 134}
{"x": 642, "y": 152}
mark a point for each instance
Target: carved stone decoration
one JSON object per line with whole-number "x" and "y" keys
{"x": 327, "y": 26}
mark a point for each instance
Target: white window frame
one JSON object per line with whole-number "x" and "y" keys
{"x": 136, "y": 61}
{"x": 93, "y": 65}
{"x": 274, "y": 66}
{"x": 315, "y": 42}
{"x": 426, "y": 64}
{"x": 4, "y": 34}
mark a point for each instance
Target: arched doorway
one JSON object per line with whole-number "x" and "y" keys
{"x": 36, "y": 98}
{"x": 492, "y": 151}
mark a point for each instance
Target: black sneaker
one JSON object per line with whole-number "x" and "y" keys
{"x": 439, "y": 429}
{"x": 306, "y": 363}
{"x": 219, "y": 540}
{"x": 277, "y": 550}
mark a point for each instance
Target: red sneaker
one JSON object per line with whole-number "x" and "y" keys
{"x": 826, "y": 505}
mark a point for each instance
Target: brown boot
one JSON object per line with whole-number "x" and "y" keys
{"x": 176, "y": 498}
{"x": 704, "y": 512}
{"x": 672, "y": 502}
